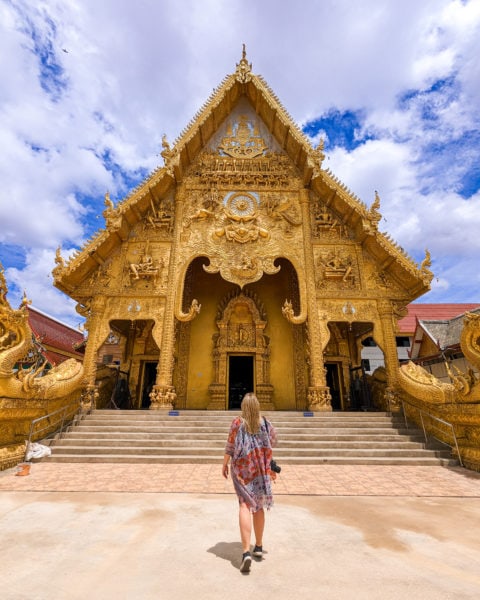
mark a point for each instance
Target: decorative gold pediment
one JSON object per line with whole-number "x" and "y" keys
{"x": 243, "y": 139}
{"x": 240, "y": 210}
{"x": 242, "y": 268}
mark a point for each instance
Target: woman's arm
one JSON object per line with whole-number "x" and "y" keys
{"x": 272, "y": 434}
{"x": 226, "y": 460}
{"x": 230, "y": 445}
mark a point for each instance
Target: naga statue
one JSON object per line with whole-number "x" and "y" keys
{"x": 464, "y": 388}
{"x": 16, "y": 341}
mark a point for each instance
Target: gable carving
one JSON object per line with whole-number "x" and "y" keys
{"x": 378, "y": 278}
{"x": 326, "y": 224}
{"x": 159, "y": 218}
{"x": 240, "y": 167}
{"x": 243, "y": 139}
{"x": 270, "y": 171}
{"x": 242, "y": 233}
{"x": 336, "y": 268}
{"x": 145, "y": 266}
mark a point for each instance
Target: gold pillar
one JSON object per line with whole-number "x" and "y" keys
{"x": 319, "y": 398}
{"x": 98, "y": 328}
{"x": 390, "y": 353}
{"x": 163, "y": 394}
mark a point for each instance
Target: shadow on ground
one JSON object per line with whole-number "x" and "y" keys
{"x": 231, "y": 551}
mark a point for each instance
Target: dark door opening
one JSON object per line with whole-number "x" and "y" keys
{"x": 333, "y": 383}
{"x": 149, "y": 378}
{"x": 359, "y": 388}
{"x": 240, "y": 379}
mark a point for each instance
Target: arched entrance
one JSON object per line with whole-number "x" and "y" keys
{"x": 236, "y": 322}
{"x": 241, "y": 355}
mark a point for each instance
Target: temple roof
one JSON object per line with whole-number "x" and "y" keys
{"x": 59, "y": 340}
{"x": 307, "y": 160}
{"x": 432, "y": 312}
{"x": 444, "y": 333}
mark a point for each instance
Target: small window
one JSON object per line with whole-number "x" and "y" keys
{"x": 403, "y": 342}
{"x": 107, "y": 359}
{"x": 366, "y": 364}
{"x": 369, "y": 342}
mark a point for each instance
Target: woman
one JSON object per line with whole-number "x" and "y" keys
{"x": 249, "y": 446}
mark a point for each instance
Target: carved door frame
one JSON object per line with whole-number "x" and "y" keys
{"x": 241, "y": 331}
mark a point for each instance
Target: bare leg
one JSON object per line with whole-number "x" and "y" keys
{"x": 245, "y": 521}
{"x": 259, "y": 526}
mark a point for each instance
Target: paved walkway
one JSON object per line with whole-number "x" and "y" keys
{"x": 316, "y": 480}
{"x": 155, "y": 532}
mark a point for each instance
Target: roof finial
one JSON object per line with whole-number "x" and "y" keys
{"x": 244, "y": 69}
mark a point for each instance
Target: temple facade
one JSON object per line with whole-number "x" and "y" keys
{"x": 241, "y": 265}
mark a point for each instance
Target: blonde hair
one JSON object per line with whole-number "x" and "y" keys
{"x": 251, "y": 412}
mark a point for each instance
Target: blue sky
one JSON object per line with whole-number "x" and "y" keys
{"x": 89, "y": 88}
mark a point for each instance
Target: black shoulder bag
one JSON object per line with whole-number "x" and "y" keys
{"x": 273, "y": 464}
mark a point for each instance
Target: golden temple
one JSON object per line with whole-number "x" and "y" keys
{"x": 242, "y": 264}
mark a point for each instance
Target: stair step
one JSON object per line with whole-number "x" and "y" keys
{"x": 279, "y": 452}
{"x": 193, "y": 459}
{"x": 200, "y": 436}
{"x": 220, "y": 443}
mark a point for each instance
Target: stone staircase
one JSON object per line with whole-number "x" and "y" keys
{"x": 134, "y": 436}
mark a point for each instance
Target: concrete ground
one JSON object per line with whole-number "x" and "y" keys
{"x": 170, "y": 531}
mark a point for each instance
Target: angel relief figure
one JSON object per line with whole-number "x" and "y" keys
{"x": 146, "y": 267}
{"x": 160, "y": 217}
{"x": 335, "y": 267}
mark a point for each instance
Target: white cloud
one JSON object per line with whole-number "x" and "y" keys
{"x": 133, "y": 71}
{"x": 40, "y": 290}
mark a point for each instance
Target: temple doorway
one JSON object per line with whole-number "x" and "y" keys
{"x": 149, "y": 377}
{"x": 333, "y": 382}
{"x": 240, "y": 379}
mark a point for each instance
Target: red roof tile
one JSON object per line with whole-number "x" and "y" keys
{"x": 431, "y": 312}
{"x": 58, "y": 336}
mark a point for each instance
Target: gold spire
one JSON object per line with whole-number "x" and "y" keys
{"x": 244, "y": 69}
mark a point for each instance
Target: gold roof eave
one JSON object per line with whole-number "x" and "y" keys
{"x": 242, "y": 83}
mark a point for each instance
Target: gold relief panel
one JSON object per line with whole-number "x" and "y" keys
{"x": 274, "y": 171}
{"x": 284, "y": 211}
{"x": 201, "y": 206}
{"x": 242, "y": 139}
{"x": 336, "y": 268}
{"x": 159, "y": 219}
{"x": 326, "y": 224}
{"x": 243, "y": 153}
{"x": 134, "y": 309}
{"x": 378, "y": 279}
{"x": 241, "y": 221}
{"x": 348, "y": 310}
{"x": 102, "y": 279}
{"x": 241, "y": 232}
{"x": 145, "y": 266}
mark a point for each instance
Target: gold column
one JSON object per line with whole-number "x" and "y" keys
{"x": 98, "y": 328}
{"x": 163, "y": 394}
{"x": 385, "y": 311}
{"x": 319, "y": 398}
